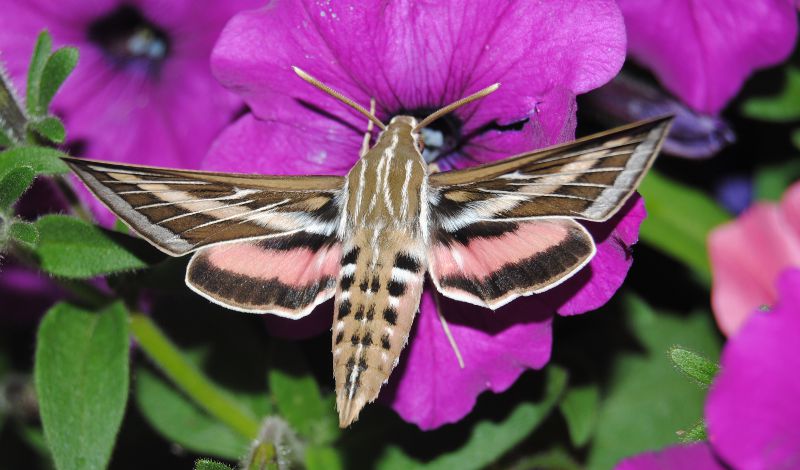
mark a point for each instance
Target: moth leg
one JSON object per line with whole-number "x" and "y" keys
{"x": 368, "y": 134}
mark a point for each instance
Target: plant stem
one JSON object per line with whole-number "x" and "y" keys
{"x": 188, "y": 378}
{"x": 12, "y": 116}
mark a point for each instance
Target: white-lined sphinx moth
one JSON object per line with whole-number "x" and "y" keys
{"x": 284, "y": 244}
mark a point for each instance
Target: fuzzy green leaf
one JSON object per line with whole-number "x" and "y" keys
{"x": 782, "y": 107}
{"x": 58, "y": 67}
{"x": 298, "y": 398}
{"x": 646, "y": 402}
{"x": 50, "y": 127}
{"x": 694, "y": 366}
{"x": 41, "y": 52}
{"x": 43, "y": 160}
{"x": 489, "y": 440}
{"x": 205, "y": 464}
{"x": 679, "y": 220}
{"x": 579, "y": 408}
{"x": 24, "y": 233}
{"x": 182, "y": 422}
{"x": 81, "y": 375}
{"x": 13, "y": 184}
{"x": 72, "y": 248}
{"x": 796, "y": 138}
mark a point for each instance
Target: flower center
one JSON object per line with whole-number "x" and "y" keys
{"x": 441, "y": 138}
{"x": 128, "y": 38}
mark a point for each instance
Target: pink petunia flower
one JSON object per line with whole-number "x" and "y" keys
{"x": 752, "y": 409}
{"x": 414, "y": 57}
{"x": 703, "y": 51}
{"x": 142, "y": 91}
{"x": 748, "y": 254}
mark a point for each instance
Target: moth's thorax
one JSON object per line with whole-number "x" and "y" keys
{"x": 385, "y": 186}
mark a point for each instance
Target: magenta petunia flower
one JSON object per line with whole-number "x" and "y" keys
{"x": 752, "y": 409}
{"x": 703, "y": 51}
{"x": 697, "y": 456}
{"x": 142, "y": 91}
{"x": 748, "y": 254}
{"x": 413, "y": 58}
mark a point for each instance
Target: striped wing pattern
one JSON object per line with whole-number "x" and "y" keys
{"x": 586, "y": 179}
{"x": 180, "y": 211}
{"x": 508, "y": 229}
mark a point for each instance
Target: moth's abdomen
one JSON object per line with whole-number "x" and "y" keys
{"x": 376, "y": 301}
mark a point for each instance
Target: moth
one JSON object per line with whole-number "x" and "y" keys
{"x": 284, "y": 244}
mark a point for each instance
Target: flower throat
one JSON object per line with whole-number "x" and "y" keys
{"x": 129, "y": 39}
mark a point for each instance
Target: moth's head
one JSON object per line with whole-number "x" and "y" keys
{"x": 404, "y": 124}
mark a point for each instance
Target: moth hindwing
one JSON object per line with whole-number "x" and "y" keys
{"x": 282, "y": 245}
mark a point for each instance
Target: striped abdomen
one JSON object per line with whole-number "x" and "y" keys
{"x": 377, "y": 299}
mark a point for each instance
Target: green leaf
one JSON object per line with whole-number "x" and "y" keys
{"x": 646, "y": 401}
{"x": 782, "y": 107}
{"x": 579, "y": 408}
{"x": 697, "y": 433}
{"x": 488, "y": 440}
{"x": 50, "y": 128}
{"x": 81, "y": 375}
{"x": 43, "y": 160}
{"x": 679, "y": 220}
{"x": 297, "y": 395}
{"x": 323, "y": 458}
{"x": 41, "y": 52}
{"x": 72, "y": 248}
{"x": 183, "y": 422}
{"x": 771, "y": 181}
{"x": 13, "y": 184}
{"x": 694, "y": 366}
{"x": 796, "y": 138}
{"x": 25, "y": 233}
{"x": 204, "y": 464}
{"x": 58, "y": 67}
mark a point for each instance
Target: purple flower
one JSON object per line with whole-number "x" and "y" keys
{"x": 697, "y": 456}
{"x": 412, "y": 58}
{"x": 143, "y": 90}
{"x": 26, "y": 293}
{"x": 702, "y": 51}
{"x": 752, "y": 409}
{"x": 629, "y": 99}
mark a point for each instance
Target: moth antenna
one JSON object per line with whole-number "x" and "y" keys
{"x": 447, "y": 332}
{"x": 453, "y": 106}
{"x": 339, "y": 96}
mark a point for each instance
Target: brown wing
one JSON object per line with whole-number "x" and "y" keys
{"x": 180, "y": 211}
{"x": 587, "y": 179}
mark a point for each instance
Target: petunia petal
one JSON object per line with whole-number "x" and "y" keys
{"x": 697, "y": 456}
{"x": 368, "y": 50}
{"x": 746, "y": 257}
{"x": 252, "y": 145}
{"x": 704, "y": 50}
{"x": 26, "y": 293}
{"x": 752, "y": 410}
{"x": 429, "y": 387}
